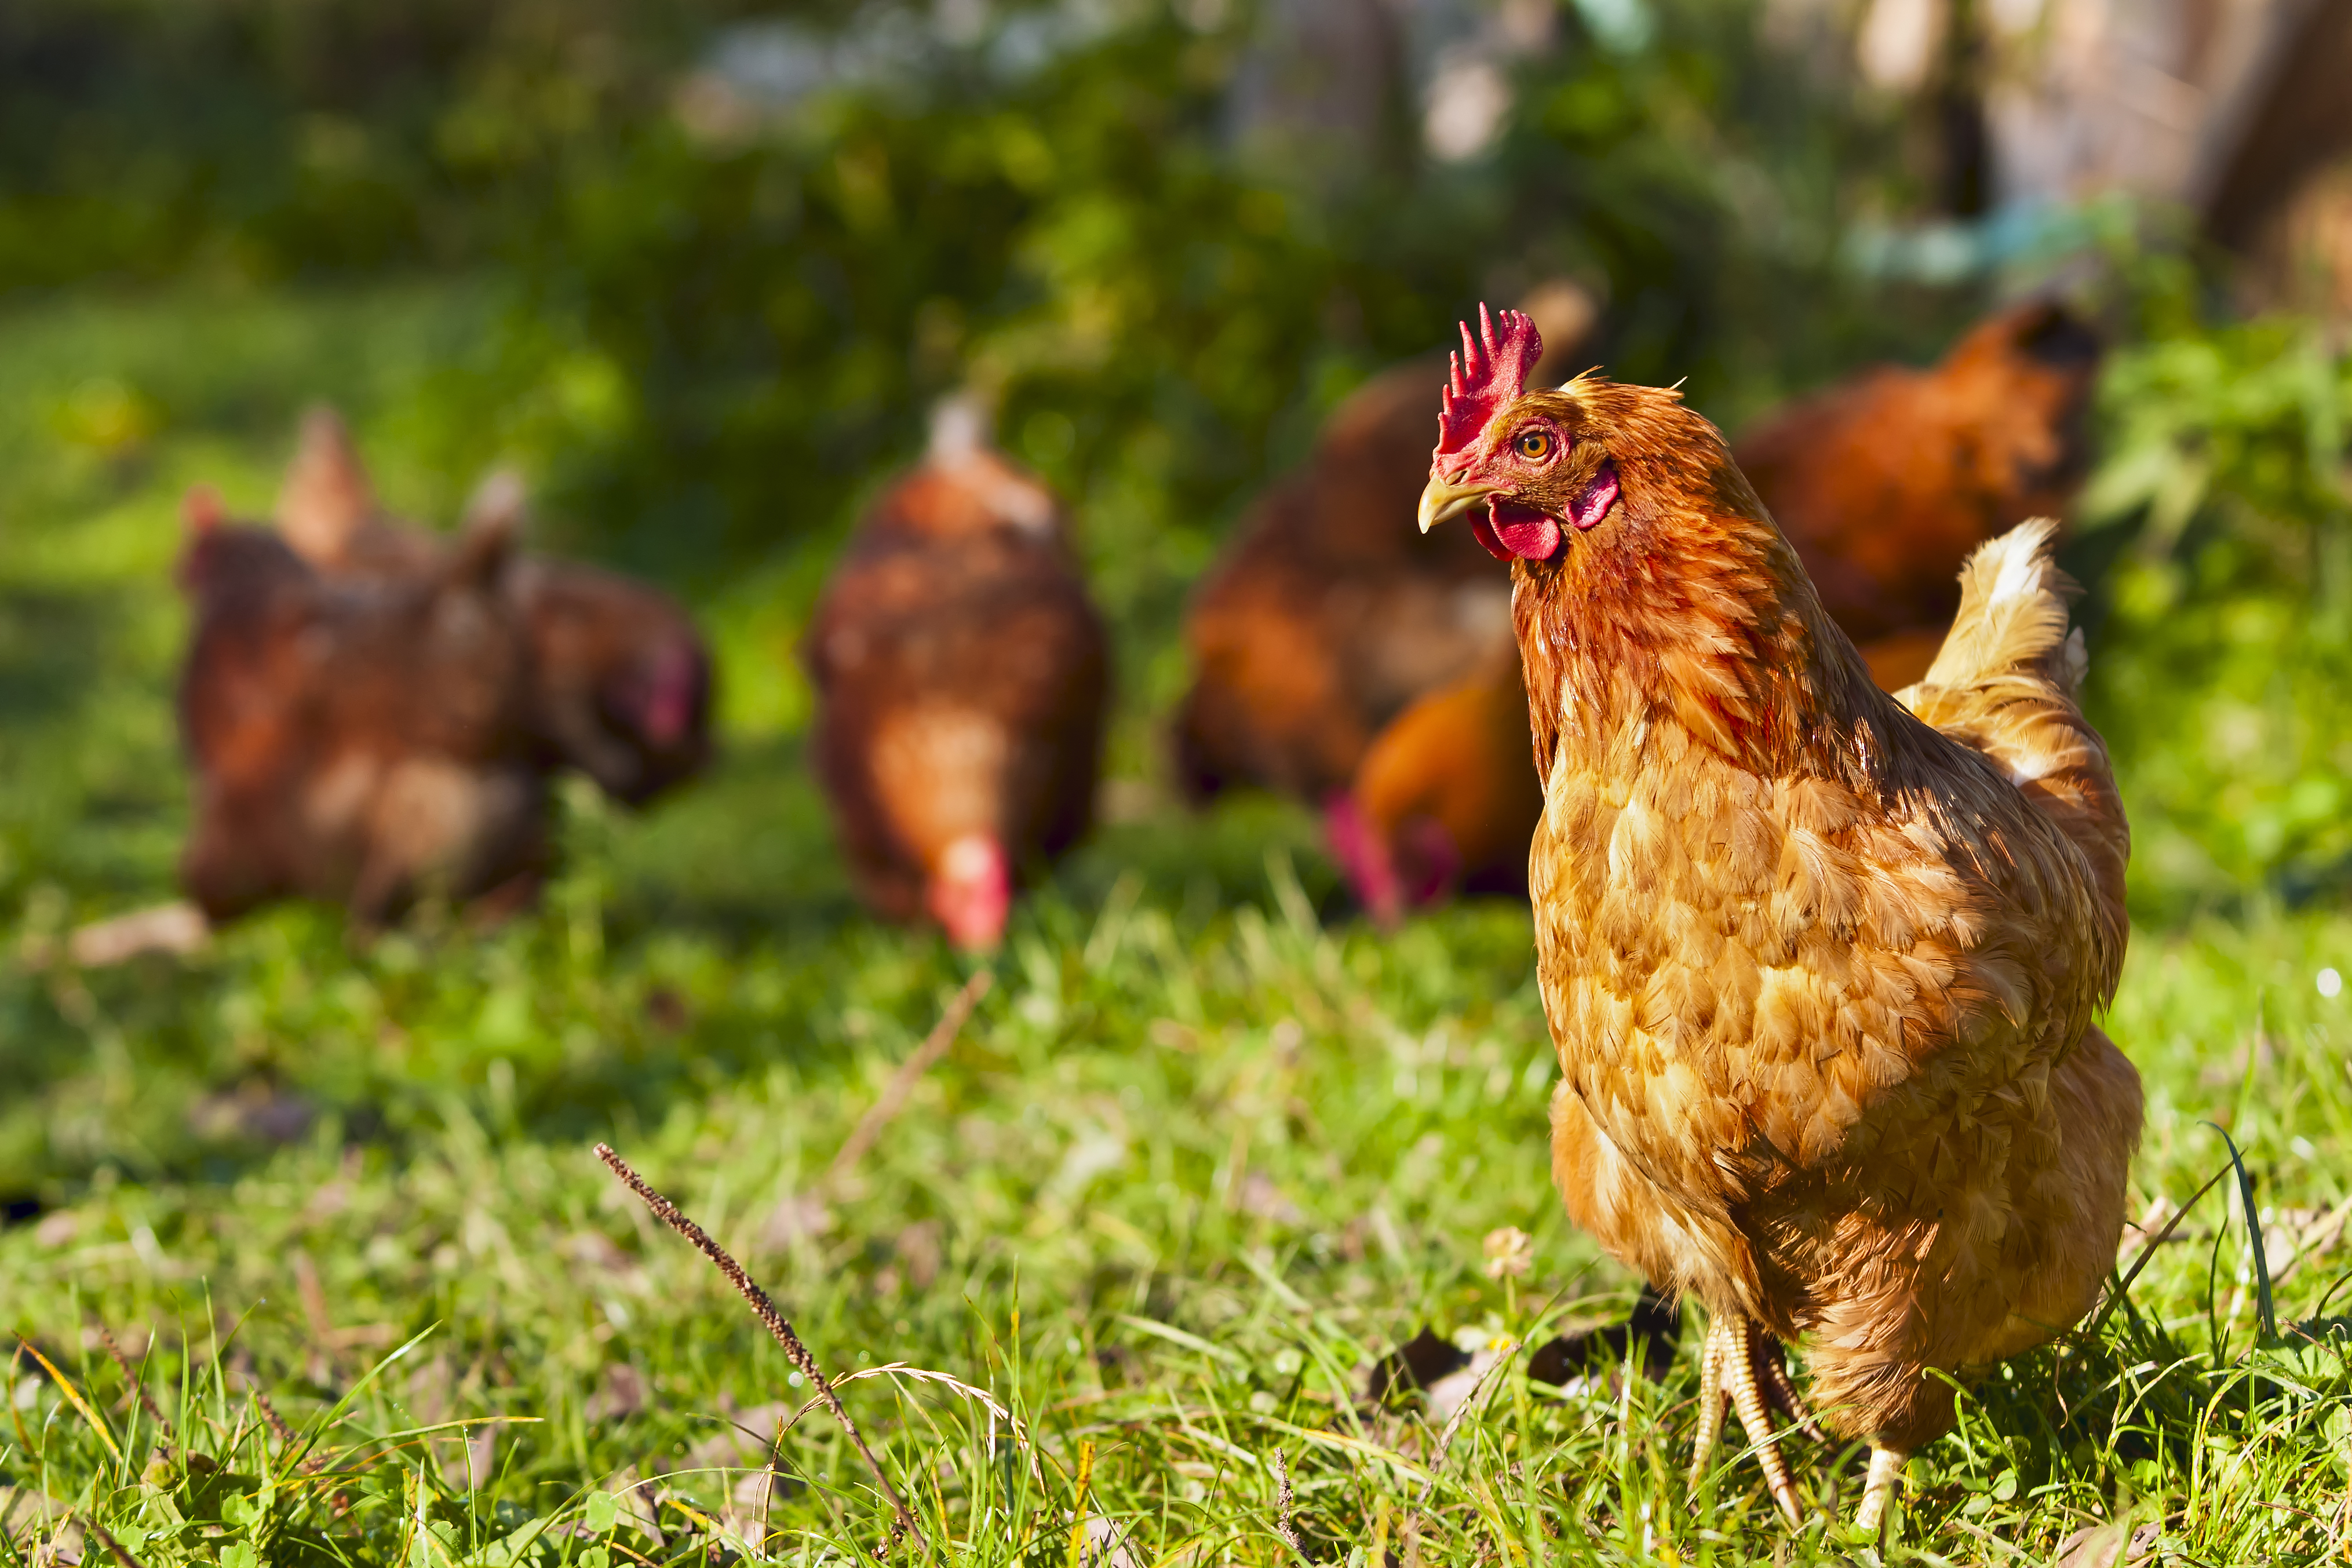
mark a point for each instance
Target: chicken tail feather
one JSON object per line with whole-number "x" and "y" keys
{"x": 2006, "y": 683}
{"x": 2012, "y": 617}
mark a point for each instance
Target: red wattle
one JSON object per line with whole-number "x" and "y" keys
{"x": 1483, "y": 532}
{"x": 1525, "y": 530}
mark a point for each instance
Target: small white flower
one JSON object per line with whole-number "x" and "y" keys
{"x": 2331, "y": 984}
{"x": 1509, "y": 1252}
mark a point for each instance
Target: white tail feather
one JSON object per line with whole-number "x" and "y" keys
{"x": 2013, "y": 616}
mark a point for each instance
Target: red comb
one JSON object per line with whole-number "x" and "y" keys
{"x": 1489, "y": 372}
{"x": 201, "y": 509}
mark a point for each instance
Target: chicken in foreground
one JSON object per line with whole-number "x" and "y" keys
{"x": 961, "y": 677}
{"x": 620, "y": 680}
{"x": 1820, "y": 965}
{"x": 362, "y": 744}
{"x": 1883, "y": 483}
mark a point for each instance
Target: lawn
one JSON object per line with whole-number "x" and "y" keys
{"x": 1102, "y": 1277}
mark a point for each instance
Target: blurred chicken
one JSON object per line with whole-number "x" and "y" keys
{"x": 1883, "y": 484}
{"x": 1820, "y": 965}
{"x": 962, "y": 678}
{"x": 1328, "y": 615}
{"x": 363, "y": 743}
{"x": 619, "y": 681}
{"x": 1445, "y": 800}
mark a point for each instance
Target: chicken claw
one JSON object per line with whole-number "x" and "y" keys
{"x": 1772, "y": 1371}
{"x": 1727, "y": 1369}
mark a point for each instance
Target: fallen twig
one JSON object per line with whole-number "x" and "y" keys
{"x": 903, "y": 1525}
{"x": 885, "y": 1111}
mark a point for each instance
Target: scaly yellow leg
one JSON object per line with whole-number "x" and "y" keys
{"x": 1727, "y": 1374}
{"x": 1710, "y": 1399}
{"x": 1756, "y": 1421}
{"x": 1878, "y": 1489}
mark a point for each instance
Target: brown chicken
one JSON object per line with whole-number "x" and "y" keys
{"x": 364, "y": 744}
{"x": 1444, "y": 801}
{"x": 619, "y": 681}
{"x": 1883, "y": 484}
{"x": 961, "y": 680}
{"x": 1820, "y": 965}
{"x": 1327, "y": 616}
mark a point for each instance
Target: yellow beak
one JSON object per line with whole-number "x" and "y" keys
{"x": 1443, "y": 500}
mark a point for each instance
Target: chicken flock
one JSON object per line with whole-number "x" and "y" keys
{"x": 1779, "y": 739}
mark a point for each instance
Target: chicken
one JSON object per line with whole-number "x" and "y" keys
{"x": 1445, "y": 800}
{"x": 619, "y": 681}
{"x": 1327, "y": 616}
{"x": 1821, "y": 965}
{"x": 364, "y": 744}
{"x": 1884, "y": 483}
{"x": 961, "y": 682}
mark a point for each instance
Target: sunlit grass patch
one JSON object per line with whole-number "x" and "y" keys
{"x": 1166, "y": 1207}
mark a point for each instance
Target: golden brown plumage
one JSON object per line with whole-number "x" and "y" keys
{"x": 1821, "y": 967}
{"x": 962, "y": 676}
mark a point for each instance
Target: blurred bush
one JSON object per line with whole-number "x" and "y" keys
{"x": 746, "y": 251}
{"x": 2223, "y": 674}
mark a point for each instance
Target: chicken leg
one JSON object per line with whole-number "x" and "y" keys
{"x": 1728, "y": 1370}
{"x": 1878, "y": 1488}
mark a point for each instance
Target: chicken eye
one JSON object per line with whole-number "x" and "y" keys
{"x": 1533, "y": 445}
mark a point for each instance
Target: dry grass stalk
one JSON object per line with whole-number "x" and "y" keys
{"x": 903, "y": 1522}
{"x": 114, "y": 1548}
{"x": 287, "y": 1439}
{"x": 885, "y": 1111}
{"x": 240, "y": 1361}
{"x": 313, "y": 1295}
{"x": 138, "y": 1384}
{"x": 1282, "y": 1525}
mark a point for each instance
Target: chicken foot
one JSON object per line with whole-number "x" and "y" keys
{"x": 1729, "y": 1370}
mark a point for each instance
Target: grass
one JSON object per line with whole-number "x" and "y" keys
{"x": 1107, "y": 1290}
